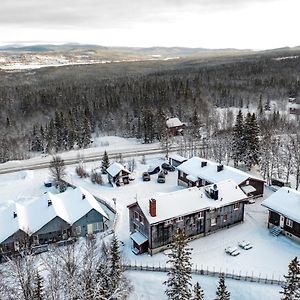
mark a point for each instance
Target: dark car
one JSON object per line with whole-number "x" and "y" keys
{"x": 153, "y": 170}
{"x": 146, "y": 176}
{"x": 161, "y": 178}
{"x": 168, "y": 167}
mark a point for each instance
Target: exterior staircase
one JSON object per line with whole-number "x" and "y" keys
{"x": 276, "y": 230}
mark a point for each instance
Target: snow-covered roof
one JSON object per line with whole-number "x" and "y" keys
{"x": 285, "y": 201}
{"x": 35, "y": 213}
{"x": 115, "y": 168}
{"x": 177, "y": 157}
{"x": 210, "y": 173}
{"x": 173, "y": 122}
{"x": 138, "y": 238}
{"x": 248, "y": 188}
{"x": 8, "y": 223}
{"x": 187, "y": 201}
{"x": 73, "y": 204}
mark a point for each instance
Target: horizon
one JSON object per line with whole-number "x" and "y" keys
{"x": 208, "y": 24}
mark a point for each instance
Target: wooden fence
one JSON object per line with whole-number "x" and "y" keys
{"x": 207, "y": 272}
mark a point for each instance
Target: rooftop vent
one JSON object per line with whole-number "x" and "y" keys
{"x": 49, "y": 202}
{"x": 203, "y": 164}
{"x": 220, "y": 168}
{"x": 83, "y": 196}
{"x": 15, "y": 215}
{"x": 214, "y": 193}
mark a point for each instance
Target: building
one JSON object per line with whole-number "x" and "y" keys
{"x": 50, "y": 218}
{"x": 197, "y": 211}
{"x": 175, "y": 160}
{"x": 175, "y": 126}
{"x": 200, "y": 172}
{"x": 294, "y": 106}
{"x": 284, "y": 212}
{"x": 117, "y": 174}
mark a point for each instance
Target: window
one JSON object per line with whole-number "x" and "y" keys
{"x": 289, "y": 223}
{"x": 168, "y": 222}
{"x": 136, "y": 215}
{"x": 96, "y": 226}
{"x": 236, "y": 206}
{"x": 200, "y": 215}
{"x": 213, "y": 222}
{"x": 78, "y": 230}
{"x": 35, "y": 239}
{"x": 179, "y": 219}
{"x": 136, "y": 227}
{"x": 141, "y": 219}
{"x": 225, "y": 218}
{"x": 247, "y": 182}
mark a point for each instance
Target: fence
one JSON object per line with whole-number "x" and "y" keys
{"x": 207, "y": 272}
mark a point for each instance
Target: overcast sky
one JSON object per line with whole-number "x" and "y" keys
{"x": 255, "y": 24}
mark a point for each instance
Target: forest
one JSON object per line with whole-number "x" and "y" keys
{"x": 56, "y": 109}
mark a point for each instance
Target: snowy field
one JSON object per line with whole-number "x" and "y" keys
{"x": 149, "y": 286}
{"x": 269, "y": 257}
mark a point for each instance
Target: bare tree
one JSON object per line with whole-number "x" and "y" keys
{"x": 58, "y": 171}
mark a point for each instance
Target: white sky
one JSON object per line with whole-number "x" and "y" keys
{"x": 255, "y": 24}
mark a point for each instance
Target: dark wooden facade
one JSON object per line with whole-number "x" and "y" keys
{"x": 121, "y": 178}
{"x": 289, "y": 227}
{"x": 256, "y": 183}
{"x": 195, "y": 225}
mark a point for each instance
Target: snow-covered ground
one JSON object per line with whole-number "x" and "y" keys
{"x": 149, "y": 286}
{"x": 269, "y": 257}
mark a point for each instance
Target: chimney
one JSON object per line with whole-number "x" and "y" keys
{"x": 214, "y": 192}
{"x": 220, "y": 168}
{"x": 83, "y": 196}
{"x": 203, "y": 164}
{"x": 152, "y": 207}
{"x": 15, "y": 215}
{"x": 49, "y": 202}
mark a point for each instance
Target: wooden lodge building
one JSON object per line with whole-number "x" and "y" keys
{"x": 197, "y": 211}
{"x": 200, "y": 172}
{"x": 284, "y": 212}
{"x": 49, "y": 219}
{"x": 175, "y": 126}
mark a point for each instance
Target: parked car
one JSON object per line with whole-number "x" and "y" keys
{"x": 161, "y": 178}
{"x": 146, "y": 176}
{"x": 131, "y": 177}
{"x": 168, "y": 167}
{"x": 245, "y": 245}
{"x": 233, "y": 251}
{"x": 153, "y": 170}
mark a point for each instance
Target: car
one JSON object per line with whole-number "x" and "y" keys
{"x": 168, "y": 167}
{"x": 161, "y": 178}
{"x": 146, "y": 176}
{"x": 153, "y": 170}
{"x": 233, "y": 251}
{"x": 131, "y": 177}
{"x": 245, "y": 245}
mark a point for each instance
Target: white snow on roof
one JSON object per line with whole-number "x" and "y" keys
{"x": 72, "y": 206}
{"x": 177, "y": 157}
{"x": 35, "y": 213}
{"x": 285, "y": 201}
{"x": 173, "y": 122}
{"x": 8, "y": 224}
{"x": 187, "y": 201}
{"x": 139, "y": 238}
{"x": 248, "y": 188}
{"x": 115, "y": 168}
{"x": 209, "y": 172}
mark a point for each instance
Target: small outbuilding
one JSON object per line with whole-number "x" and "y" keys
{"x": 175, "y": 160}
{"x": 284, "y": 212}
{"x": 117, "y": 174}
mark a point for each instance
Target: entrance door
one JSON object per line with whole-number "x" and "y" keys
{"x": 281, "y": 222}
{"x": 90, "y": 228}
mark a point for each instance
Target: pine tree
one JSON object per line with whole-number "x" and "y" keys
{"x": 105, "y": 162}
{"x": 198, "y": 292}
{"x": 87, "y": 133}
{"x": 38, "y": 292}
{"x": 222, "y": 293}
{"x": 179, "y": 277}
{"x": 238, "y": 146}
{"x": 115, "y": 272}
{"x": 195, "y": 125}
{"x": 291, "y": 288}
